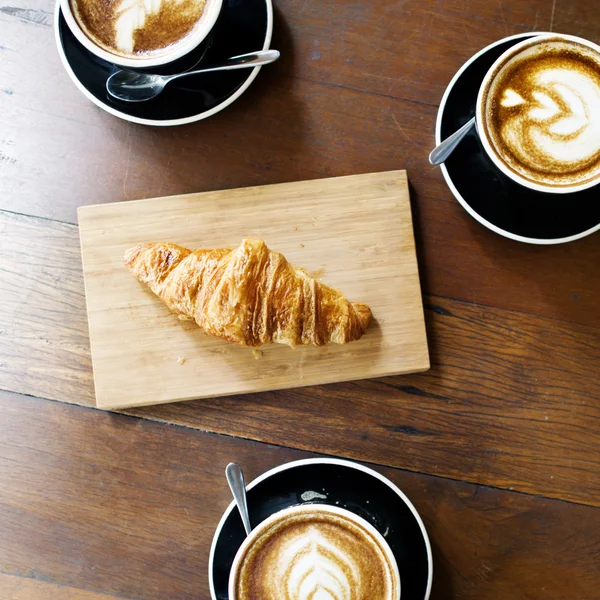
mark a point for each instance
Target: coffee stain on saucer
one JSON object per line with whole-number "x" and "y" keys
{"x": 310, "y": 495}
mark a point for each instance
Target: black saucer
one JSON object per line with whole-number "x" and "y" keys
{"x": 243, "y": 26}
{"x": 485, "y": 192}
{"x": 340, "y": 483}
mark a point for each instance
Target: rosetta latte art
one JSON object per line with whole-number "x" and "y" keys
{"x": 315, "y": 555}
{"x": 312, "y": 568}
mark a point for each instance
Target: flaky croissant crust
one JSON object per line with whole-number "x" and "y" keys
{"x": 250, "y": 296}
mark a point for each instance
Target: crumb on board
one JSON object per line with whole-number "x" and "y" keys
{"x": 295, "y": 227}
{"x": 301, "y": 245}
{"x": 258, "y": 354}
{"x": 181, "y": 360}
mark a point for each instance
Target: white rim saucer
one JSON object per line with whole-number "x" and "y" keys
{"x": 332, "y": 461}
{"x": 450, "y": 183}
{"x": 192, "y": 119}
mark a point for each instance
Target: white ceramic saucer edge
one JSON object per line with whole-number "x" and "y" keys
{"x": 450, "y": 183}
{"x": 331, "y": 461}
{"x": 153, "y": 122}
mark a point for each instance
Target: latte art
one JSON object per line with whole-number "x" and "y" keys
{"x": 313, "y": 567}
{"x": 133, "y": 28}
{"x": 543, "y": 113}
{"x": 316, "y": 554}
{"x": 557, "y": 125}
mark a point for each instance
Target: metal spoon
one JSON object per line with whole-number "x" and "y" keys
{"x": 441, "y": 152}
{"x": 131, "y": 86}
{"x": 235, "y": 479}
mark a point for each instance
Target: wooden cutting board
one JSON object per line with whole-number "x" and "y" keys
{"x": 354, "y": 233}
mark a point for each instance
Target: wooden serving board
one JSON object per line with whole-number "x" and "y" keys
{"x": 355, "y": 233}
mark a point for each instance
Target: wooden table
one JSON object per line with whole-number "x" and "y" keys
{"x": 498, "y": 445}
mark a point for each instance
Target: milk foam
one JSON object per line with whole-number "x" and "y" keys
{"x": 311, "y": 567}
{"x": 131, "y": 16}
{"x": 546, "y": 107}
{"x": 137, "y": 28}
{"x": 312, "y": 555}
{"x": 561, "y": 121}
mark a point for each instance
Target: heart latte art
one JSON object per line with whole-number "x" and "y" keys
{"x": 137, "y": 28}
{"x": 543, "y": 113}
{"x": 315, "y": 555}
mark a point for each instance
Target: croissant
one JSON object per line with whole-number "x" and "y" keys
{"x": 250, "y": 296}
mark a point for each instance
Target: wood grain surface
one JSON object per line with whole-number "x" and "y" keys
{"x": 128, "y": 507}
{"x": 100, "y": 505}
{"x": 13, "y": 587}
{"x": 355, "y": 233}
{"x": 356, "y": 90}
{"x": 512, "y": 400}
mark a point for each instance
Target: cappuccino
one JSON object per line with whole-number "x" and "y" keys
{"x": 315, "y": 552}
{"x": 137, "y": 28}
{"x": 540, "y": 112}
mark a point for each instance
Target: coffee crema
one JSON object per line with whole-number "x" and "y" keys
{"x": 542, "y": 113}
{"x": 137, "y": 28}
{"x": 314, "y": 554}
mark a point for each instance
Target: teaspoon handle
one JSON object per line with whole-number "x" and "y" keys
{"x": 235, "y": 478}
{"x": 244, "y": 61}
{"x": 441, "y": 152}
